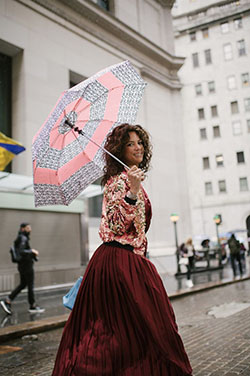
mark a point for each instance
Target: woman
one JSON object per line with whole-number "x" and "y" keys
{"x": 189, "y": 252}
{"x": 122, "y": 323}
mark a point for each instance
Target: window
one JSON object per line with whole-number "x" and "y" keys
{"x": 224, "y": 27}
{"x": 243, "y": 184}
{"x": 203, "y": 133}
{"x": 222, "y": 186}
{"x": 236, "y": 127}
{"x": 214, "y": 111}
{"x": 75, "y": 78}
{"x": 205, "y": 33}
{"x": 237, "y": 23}
{"x": 198, "y": 89}
{"x": 192, "y": 36}
{"x": 208, "y": 188}
{"x": 95, "y": 203}
{"x": 211, "y": 87}
{"x": 247, "y": 104}
{"x": 234, "y": 107}
{"x": 201, "y": 113}
{"x": 102, "y": 3}
{"x": 228, "y": 53}
{"x": 205, "y": 162}
{"x": 241, "y": 47}
{"x": 231, "y": 82}
{"x": 208, "y": 57}
{"x": 216, "y": 131}
{"x": 195, "y": 60}
{"x": 240, "y": 157}
{"x": 5, "y": 97}
{"x": 248, "y": 125}
{"x": 219, "y": 160}
{"x": 245, "y": 79}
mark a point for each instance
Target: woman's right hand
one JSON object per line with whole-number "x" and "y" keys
{"x": 135, "y": 177}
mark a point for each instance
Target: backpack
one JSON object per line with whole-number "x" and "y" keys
{"x": 15, "y": 254}
{"x": 234, "y": 246}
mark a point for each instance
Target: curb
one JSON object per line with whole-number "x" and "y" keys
{"x": 55, "y": 322}
{"x": 206, "y": 287}
{"x": 27, "y": 328}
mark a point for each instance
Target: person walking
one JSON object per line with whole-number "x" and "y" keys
{"x": 26, "y": 271}
{"x": 122, "y": 322}
{"x": 235, "y": 256}
{"x": 188, "y": 251}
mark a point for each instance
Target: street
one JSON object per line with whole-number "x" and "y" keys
{"x": 214, "y": 325}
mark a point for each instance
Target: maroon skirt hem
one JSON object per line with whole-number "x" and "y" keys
{"x": 122, "y": 323}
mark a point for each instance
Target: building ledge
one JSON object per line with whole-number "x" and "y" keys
{"x": 104, "y": 27}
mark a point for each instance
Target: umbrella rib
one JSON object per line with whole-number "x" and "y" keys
{"x": 98, "y": 145}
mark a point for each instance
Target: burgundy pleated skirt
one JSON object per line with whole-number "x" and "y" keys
{"x": 122, "y": 323}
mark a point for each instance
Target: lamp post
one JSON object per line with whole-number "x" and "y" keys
{"x": 217, "y": 221}
{"x": 174, "y": 218}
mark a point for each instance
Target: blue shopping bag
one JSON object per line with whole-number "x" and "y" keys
{"x": 70, "y": 297}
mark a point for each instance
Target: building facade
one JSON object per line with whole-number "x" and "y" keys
{"x": 46, "y": 46}
{"x": 215, "y": 40}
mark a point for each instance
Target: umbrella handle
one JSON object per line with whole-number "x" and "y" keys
{"x": 79, "y": 131}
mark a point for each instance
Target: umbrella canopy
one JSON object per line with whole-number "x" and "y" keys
{"x": 67, "y": 151}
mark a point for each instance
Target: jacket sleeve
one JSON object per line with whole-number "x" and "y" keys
{"x": 119, "y": 212}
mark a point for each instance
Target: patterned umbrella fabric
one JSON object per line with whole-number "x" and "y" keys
{"x": 66, "y": 151}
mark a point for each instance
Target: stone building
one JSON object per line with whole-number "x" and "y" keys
{"x": 215, "y": 40}
{"x": 46, "y": 46}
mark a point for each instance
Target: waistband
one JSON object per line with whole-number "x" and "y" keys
{"x": 114, "y": 243}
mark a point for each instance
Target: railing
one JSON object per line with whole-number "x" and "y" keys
{"x": 207, "y": 255}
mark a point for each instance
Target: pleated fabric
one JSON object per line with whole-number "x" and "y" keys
{"x": 122, "y": 323}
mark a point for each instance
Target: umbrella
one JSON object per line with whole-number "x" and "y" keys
{"x": 204, "y": 242}
{"x": 67, "y": 151}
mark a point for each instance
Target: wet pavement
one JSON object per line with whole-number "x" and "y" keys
{"x": 216, "y": 346}
{"x": 51, "y": 298}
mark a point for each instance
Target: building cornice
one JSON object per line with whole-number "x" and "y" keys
{"x": 102, "y": 25}
{"x": 198, "y": 19}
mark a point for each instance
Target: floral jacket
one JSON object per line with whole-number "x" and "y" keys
{"x": 121, "y": 221}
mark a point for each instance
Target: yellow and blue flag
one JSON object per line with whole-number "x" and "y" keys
{"x": 8, "y": 149}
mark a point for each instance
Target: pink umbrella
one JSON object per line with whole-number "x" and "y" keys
{"x": 67, "y": 151}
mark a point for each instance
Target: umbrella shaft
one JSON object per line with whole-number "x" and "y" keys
{"x": 79, "y": 131}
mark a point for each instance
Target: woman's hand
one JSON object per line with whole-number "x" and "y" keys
{"x": 135, "y": 177}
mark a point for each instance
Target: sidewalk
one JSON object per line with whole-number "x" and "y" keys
{"x": 23, "y": 323}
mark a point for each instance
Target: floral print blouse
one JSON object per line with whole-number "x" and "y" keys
{"x": 121, "y": 221}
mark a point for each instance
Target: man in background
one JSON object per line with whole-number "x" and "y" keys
{"x": 234, "y": 246}
{"x": 26, "y": 270}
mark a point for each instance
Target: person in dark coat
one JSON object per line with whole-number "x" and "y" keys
{"x": 26, "y": 270}
{"x": 234, "y": 246}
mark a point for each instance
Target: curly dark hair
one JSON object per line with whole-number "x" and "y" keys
{"x": 115, "y": 144}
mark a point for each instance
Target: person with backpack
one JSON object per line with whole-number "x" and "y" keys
{"x": 25, "y": 256}
{"x": 234, "y": 246}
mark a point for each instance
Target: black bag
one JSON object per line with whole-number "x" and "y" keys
{"x": 15, "y": 254}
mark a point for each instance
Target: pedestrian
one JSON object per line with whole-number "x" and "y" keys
{"x": 188, "y": 252}
{"x": 235, "y": 256}
{"x": 122, "y": 322}
{"x": 26, "y": 270}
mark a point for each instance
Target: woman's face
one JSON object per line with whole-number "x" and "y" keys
{"x": 134, "y": 150}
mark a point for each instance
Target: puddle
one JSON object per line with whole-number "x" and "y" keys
{"x": 227, "y": 309}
